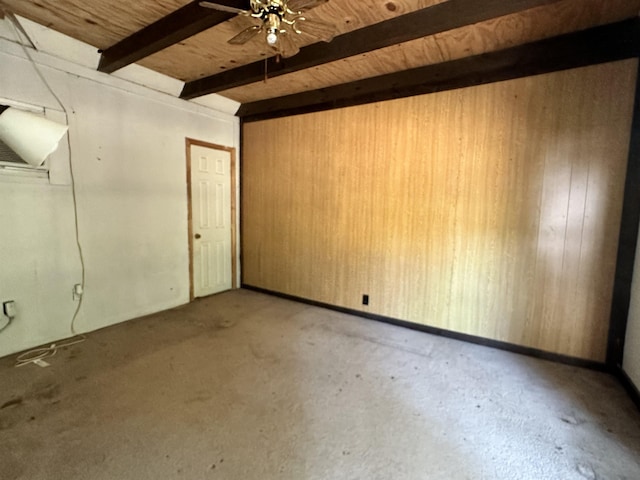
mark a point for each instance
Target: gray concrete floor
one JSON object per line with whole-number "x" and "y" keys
{"x": 248, "y": 386}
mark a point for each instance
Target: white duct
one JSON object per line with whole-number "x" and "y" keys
{"x": 32, "y": 137}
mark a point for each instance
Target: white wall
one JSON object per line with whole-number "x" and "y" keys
{"x": 631, "y": 363}
{"x": 128, "y": 152}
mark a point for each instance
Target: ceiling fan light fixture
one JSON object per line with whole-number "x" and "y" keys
{"x": 273, "y": 29}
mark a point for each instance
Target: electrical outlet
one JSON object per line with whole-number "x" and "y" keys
{"x": 365, "y": 299}
{"x": 9, "y": 308}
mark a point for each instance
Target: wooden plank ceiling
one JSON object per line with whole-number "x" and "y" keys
{"x": 189, "y": 43}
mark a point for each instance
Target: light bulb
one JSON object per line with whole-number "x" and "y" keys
{"x": 272, "y": 37}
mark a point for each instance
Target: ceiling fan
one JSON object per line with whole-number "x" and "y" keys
{"x": 280, "y": 21}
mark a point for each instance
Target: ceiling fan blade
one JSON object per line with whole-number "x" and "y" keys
{"x": 303, "y": 5}
{"x": 245, "y": 35}
{"x": 316, "y": 28}
{"x": 287, "y": 47}
{"x": 222, "y": 8}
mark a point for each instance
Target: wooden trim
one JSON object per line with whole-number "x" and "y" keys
{"x": 234, "y": 230}
{"x": 617, "y": 41}
{"x": 628, "y": 240}
{"x": 189, "y": 219}
{"x": 510, "y": 347}
{"x": 421, "y": 23}
{"x": 628, "y": 385}
{"x": 175, "y": 27}
{"x": 241, "y": 219}
{"x": 234, "y": 220}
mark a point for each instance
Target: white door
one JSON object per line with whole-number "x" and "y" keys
{"x": 211, "y": 220}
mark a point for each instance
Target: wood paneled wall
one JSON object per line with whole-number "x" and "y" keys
{"x": 492, "y": 211}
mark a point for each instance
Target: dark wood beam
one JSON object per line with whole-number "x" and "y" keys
{"x": 627, "y": 241}
{"x": 175, "y": 27}
{"x": 597, "y": 45}
{"x": 421, "y": 23}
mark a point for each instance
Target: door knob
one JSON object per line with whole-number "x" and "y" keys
{"x": 197, "y": 235}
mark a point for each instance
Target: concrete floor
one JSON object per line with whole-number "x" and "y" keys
{"x": 247, "y": 386}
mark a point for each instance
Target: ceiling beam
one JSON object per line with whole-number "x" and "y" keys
{"x": 608, "y": 43}
{"x": 175, "y": 27}
{"x": 421, "y": 23}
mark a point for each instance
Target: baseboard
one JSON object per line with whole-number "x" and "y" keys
{"x": 510, "y": 347}
{"x": 628, "y": 385}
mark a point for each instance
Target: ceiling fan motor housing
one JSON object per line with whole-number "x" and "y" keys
{"x": 262, "y": 9}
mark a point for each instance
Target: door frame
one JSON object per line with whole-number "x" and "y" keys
{"x": 232, "y": 155}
